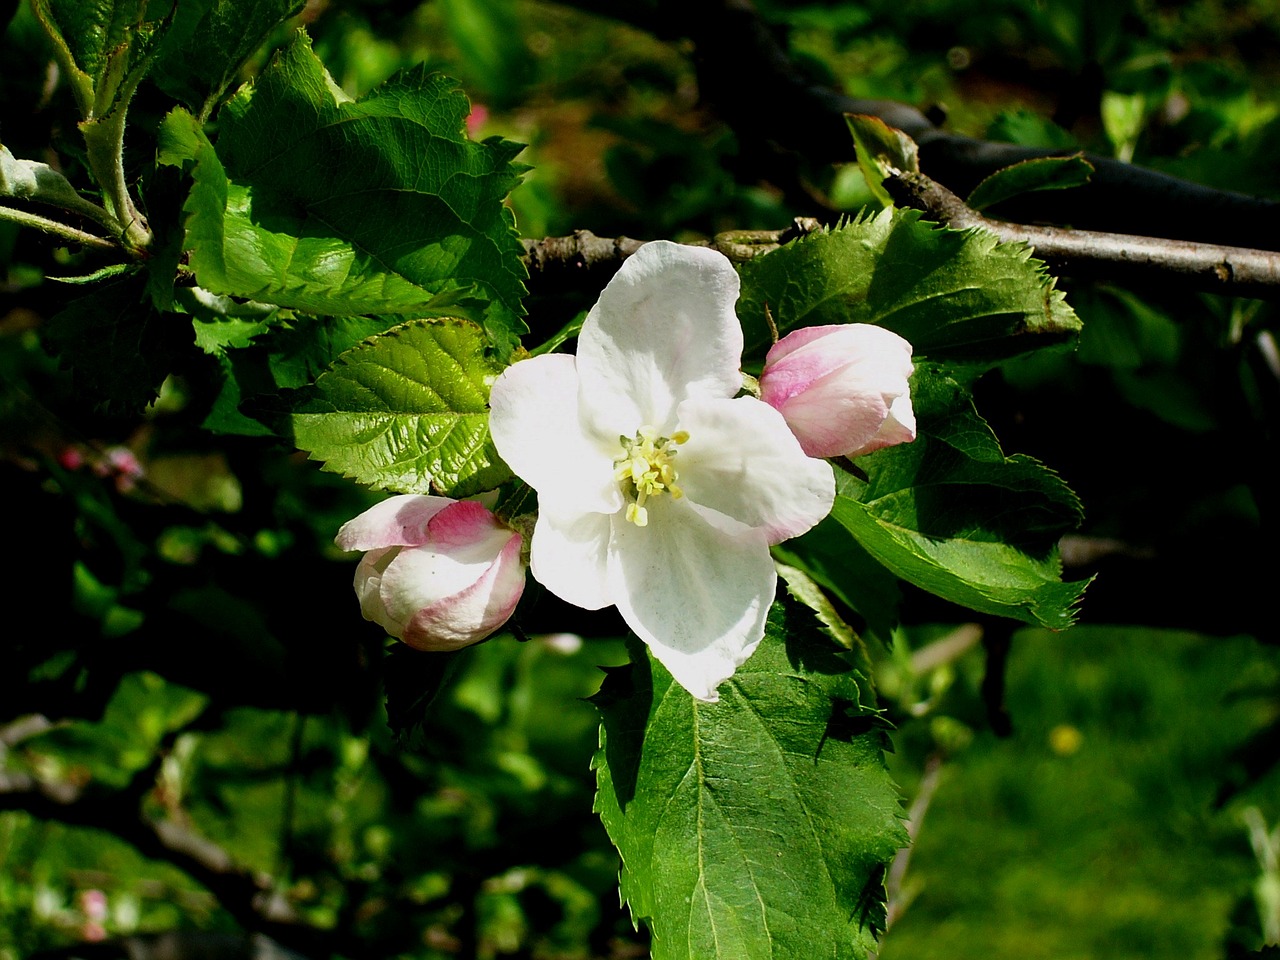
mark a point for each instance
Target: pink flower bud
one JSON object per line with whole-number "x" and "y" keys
{"x": 439, "y": 574}
{"x": 842, "y": 389}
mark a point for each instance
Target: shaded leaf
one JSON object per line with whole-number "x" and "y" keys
{"x": 953, "y": 515}
{"x": 118, "y": 347}
{"x": 883, "y": 151}
{"x": 835, "y": 559}
{"x": 1042, "y": 173}
{"x": 209, "y": 41}
{"x": 758, "y": 826}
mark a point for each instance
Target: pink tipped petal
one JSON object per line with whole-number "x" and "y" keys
{"x": 421, "y": 577}
{"x": 838, "y": 385}
{"x": 569, "y": 555}
{"x": 833, "y": 424}
{"x": 461, "y": 526}
{"x": 663, "y": 330}
{"x": 399, "y": 521}
{"x": 697, "y": 595}
{"x": 743, "y": 461}
{"x": 472, "y": 614}
{"x": 536, "y": 427}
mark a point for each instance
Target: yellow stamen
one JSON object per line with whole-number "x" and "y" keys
{"x": 646, "y": 469}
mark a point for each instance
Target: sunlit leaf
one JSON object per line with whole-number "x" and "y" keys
{"x": 313, "y": 201}
{"x": 759, "y": 826}
{"x": 955, "y": 295}
{"x": 407, "y": 411}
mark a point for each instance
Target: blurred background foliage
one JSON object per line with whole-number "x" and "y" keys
{"x": 183, "y": 643}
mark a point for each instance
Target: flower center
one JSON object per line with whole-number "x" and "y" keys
{"x": 646, "y": 469}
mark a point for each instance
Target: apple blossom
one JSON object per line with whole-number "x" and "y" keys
{"x": 659, "y": 490}
{"x": 439, "y": 574}
{"x": 842, "y": 389}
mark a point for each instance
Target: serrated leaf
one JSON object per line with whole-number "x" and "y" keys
{"x": 209, "y": 41}
{"x": 758, "y": 826}
{"x": 109, "y": 41}
{"x": 330, "y": 206}
{"x": 955, "y": 295}
{"x": 1042, "y": 173}
{"x": 407, "y": 411}
{"x": 883, "y": 151}
{"x": 118, "y": 347}
{"x": 953, "y": 515}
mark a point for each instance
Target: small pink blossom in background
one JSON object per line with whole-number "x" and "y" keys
{"x": 93, "y": 904}
{"x": 70, "y": 458}
{"x": 843, "y": 389}
{"x": 477, "y": 118}
{"x": 439, "y": 574}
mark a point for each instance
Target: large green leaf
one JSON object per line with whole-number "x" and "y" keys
{"x": 953, "y": 515}
{"x": 326, "y": 205}
{"x": 955, "y": 295}
{"x": 758, "y": 826}
{"x": 209, "y": 41}
{"x": 407, "y": 411}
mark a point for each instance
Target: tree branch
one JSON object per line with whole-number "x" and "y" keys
{"x": 1124, "y": 257}
{"x": 585, "y": 254}
{"x": 750, "y": 81}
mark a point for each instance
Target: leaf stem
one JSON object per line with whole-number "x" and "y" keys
{"x": 55, "y": 227}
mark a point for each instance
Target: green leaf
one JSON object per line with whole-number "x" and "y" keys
{"x": 758, "y": 826}
{"x": 491, "y": 40}
{"x": 407, "y": 411}
{"x": 1043, "y": 173}
{"x": 330, "y": 206}
{"x": 955, "y": 295}
{"x": 106, "y": 45}
{"x": 883, "y": 151}
{"x": 118, "y": 347}
{"x": 31, "y": 180}
{"x": 953, "y": 515}
{"x": 208, "y": 43}
{"x": 837, "y": 561}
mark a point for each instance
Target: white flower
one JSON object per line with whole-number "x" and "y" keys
{"x": 843, "y": 389}
{"x": 439, "y": 574}
{"x": 658, "y": 491}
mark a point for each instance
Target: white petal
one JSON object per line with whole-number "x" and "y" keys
{"x": 368, "y": 582}
{"x": 743, "y": 461}
{"x": 569, "y": 556}
{"x": 536, "y": 427}
{"x": 399, "y": 521}
{"x": 697, "y": 595}
{"x": 663, "y": 330}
